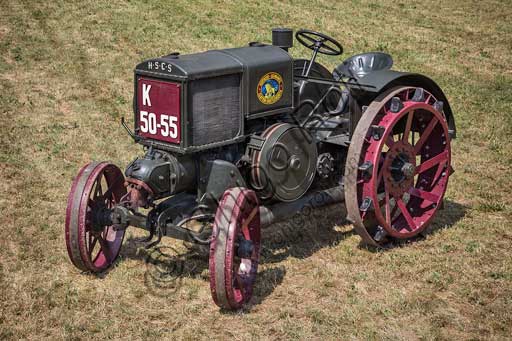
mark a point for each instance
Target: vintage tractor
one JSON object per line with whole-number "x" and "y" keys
{"x": 237, "y": 139}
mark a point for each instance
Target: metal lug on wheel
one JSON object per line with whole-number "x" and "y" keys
{"x": 366, "y": 169}
{"x": 396, "y": 105}
{"x": 366, "y": 205}
{"x": 377, "y": 132}
{"x": 419, "y": 95}
{"x": 380, "y": 234}
{"x": 438, "y": 105}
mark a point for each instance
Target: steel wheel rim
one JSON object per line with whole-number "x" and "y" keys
{"x": 93, "y": 249}
{"x": 232, "y": 276}
{"x": 424, "y": 200}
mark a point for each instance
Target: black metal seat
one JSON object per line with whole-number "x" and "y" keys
{"x": 362, "y": 64}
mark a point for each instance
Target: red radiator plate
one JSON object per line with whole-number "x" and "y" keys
{"x": 158, "y": 110}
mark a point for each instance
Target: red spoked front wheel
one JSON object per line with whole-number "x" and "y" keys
{"x": 235, "y": 248}
{"x": 92, "y": 244}
{"x": 398, "y": 166}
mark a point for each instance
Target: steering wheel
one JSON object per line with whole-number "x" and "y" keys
{"x": 319, "y": 42}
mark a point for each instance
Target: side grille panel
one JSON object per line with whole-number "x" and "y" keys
{"x": 215, "y": 109}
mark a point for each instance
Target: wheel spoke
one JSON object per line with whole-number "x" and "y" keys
{"x": 407, "y": 216}
{"x": 104, "y": 247}
{"x": 436, "y": 160}
{"x": 312, "y": 39}
{"x": 437, "y": 176}
{"x": 380, "y": 164}
{"x": 240, "y": 282}
{"x": 434, "y": 198}
{"x": 98, "y": 191}
{"x": 389, "y": 141}
{"x": 393, "y": 211}
{"x": 92, "y": 245}
{"x": 379, "y": 177}
{"x": 109, "y": 190}
{"x": 328, "y": 48}
{"x": 105, "y": 232}
{"x": 408, "y": 124}
{"x": 425, "y": 135}
{"x": 247, "y": 222}
{"x": 388, "y": 208}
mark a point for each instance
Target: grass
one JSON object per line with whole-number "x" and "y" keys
{"x": 65, "y": 81}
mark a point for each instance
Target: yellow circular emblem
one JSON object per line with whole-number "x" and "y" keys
{"x": 270, "y": 88}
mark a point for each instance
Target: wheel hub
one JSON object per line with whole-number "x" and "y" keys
{"x": 399, "y": 168}
{"x": 101, "y": 217}
{"x": 408, "y": 169}
{"x": 245, "y": 248}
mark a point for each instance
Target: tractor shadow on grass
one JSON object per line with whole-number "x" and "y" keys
{"x": 444, "y": 219}
{"x": 167, "y": 267}
{"x": 299, "y": 237}
{"x": 304, "y": 234}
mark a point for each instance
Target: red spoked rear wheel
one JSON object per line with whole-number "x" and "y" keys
{"x": 92, "y": 244}
{"x": 235, "y": 248}
{"x": 398, "y": 166}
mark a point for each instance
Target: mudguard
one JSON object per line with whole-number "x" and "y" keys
{"x": 383, "y": 80}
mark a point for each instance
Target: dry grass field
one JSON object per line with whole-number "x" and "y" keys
{"x": 65, "y": 82}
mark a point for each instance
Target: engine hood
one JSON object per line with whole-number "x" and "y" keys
{"x": 213, "y": 63}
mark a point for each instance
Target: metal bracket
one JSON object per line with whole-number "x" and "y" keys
{"x": 132, "y": 135}
{"x": 256, "y": 142}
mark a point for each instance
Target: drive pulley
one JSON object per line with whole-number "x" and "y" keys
{"x": 284, "y": 161}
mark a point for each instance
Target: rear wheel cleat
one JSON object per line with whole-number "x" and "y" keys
{"x": 419, "y": 95}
